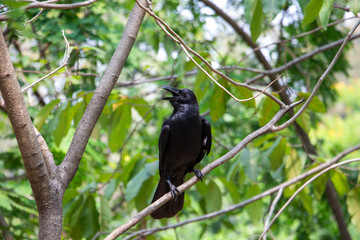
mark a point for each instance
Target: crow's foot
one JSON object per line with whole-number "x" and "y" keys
{"x": 198, "y": 174}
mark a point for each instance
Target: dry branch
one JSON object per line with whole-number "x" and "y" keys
{"x": 229, "y": 155}
{"x": 268, "y": 192}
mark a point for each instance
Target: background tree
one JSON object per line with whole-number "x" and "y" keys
{"x": 90, "y": 163}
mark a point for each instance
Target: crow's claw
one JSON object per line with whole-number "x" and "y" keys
{"x": 173, "y": 190}
{"x": 198, "y": 174}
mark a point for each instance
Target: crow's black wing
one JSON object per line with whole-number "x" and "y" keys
{"x": 206, "y": 139}
{"x": 163, "y": 139}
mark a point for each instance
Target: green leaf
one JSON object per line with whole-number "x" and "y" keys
{"x": 257, "y": 21}
{"x": 44, "y": 113}
{"x": 277, "y": 154}
{"x": 5, "y": 202}
{"x": 180, "y": 66}
{"x": 268, "y": 109}
{"x": 214, "y": 202}
{"x": 218, "y": 101}
{"x": 105, "y": 211}
{"x": 79, "y": 113}
{"x": 134, "y": 185}
{"x": 307, "y": 201}
{"x": 354, "y": 6}
{"x": 61, "y": 122}
{"x": 292, "y": 168}
{"x": 146, "y": 189}
{"x": 320, "y": 184}
{"x": 254, "y": 209}
{"x": 142, "y": 107}
{"x": 245, "y": 94}
{"x": 89, "y": 218}
{"x": 24, "y": 208}
{"x": 64, "y": 116}
{"x": 311, "y": 12}
{"x": 202, "y": 83}
{"x": 111, "y": 187}
{"x": 14, "y": 4}
{"x": 272, "y": 8}
{"x": 324, "y": 14}
{"x": 353, "y": 205}
{"x": 315, "y": 105}
{"x": 232, "y": 188}
{"x": 340, "y": 183}
{"x": 119, "y": 125}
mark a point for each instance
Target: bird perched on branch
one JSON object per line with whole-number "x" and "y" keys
{"x": 184, "y": 140}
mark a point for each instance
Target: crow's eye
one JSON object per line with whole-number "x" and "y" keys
{"x": 182, "y": 92}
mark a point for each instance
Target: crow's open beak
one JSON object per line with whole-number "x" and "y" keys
{"x": 174, "y": 92}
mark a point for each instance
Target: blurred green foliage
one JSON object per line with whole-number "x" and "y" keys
{"x": 118, "y": 172}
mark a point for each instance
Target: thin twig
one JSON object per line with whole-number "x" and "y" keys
{"x": 176, "y": 38}
{"x": 294, "y": 37}
{"x": 36, "y": 16}
{"x": 272, "y": 208}
{"x": 161, "y": 201}
{"x": 320, "y": 81}
{"x": 301, "y": 188}
{"x": 299, "y": 59}
{"x": 66, "y": 58}
{"x": 268, "y": 192}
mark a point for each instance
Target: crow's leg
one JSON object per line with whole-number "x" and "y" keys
{"x": 198, "y": 174}
{"x": 173, "y": 189}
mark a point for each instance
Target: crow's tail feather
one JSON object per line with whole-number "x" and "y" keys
{"x": 170, "y": 208}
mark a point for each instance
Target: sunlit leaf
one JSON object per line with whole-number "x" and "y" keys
{"x": 245, "y": 93}
{"x": 254, "y": 209}
{"x": 307, "y": 202}
{"x": 5, "y": 202}
{"x": 354, "y": 6}
{"x": 255, "y": 17}
{"x": 202, "y": 83}
{"x": 44, "y": 113}
{"x": 218, "y": 101}
{"x": 119, "y": 125}
{"x": 324, "y": 14}
{"x": 315, "y": 105}
{"x": 292, "y": 169}
{"x": 277, "y": 154}
{"x": 353, "y": 205}
{"x": 142, "y": 107}
{"x": 61, "y": 119}
{"x": 268, "y": 109}
{"x": 340, "y": 183}
{"x": 311, "y": 12}
{"x": 320, "y": 184}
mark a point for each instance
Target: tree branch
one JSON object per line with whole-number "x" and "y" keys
{"x": 285, "y": 97}
{"x": 86, "y": 125}
{"x": 301, "y": 58}
{"x": 301, "y": 188}
{"x": 229, "y": 155}
{"x": 268, "y": 192}
{"x": 5, "y": 229}
{"x": 177, "y": 39}
{"x": 45, "y": 5}
{"x": 320, "y": 81}
{"x": 43, "y": 187}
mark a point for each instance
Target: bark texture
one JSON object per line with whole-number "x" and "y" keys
{"x": 45, "y": 190}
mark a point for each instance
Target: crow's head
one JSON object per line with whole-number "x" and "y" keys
{"x": 180, "y": 97}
